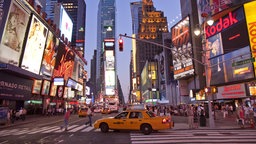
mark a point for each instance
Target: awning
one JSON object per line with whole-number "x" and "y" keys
{"x": 18, "y": 71}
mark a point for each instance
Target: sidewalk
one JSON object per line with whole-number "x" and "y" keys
{"x": 229, "y": 122}
{"x": 31, "y": 119}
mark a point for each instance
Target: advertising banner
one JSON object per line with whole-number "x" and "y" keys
{"x": 35, "y": 46}
{"x": 212, "y": 7}
{"x": 37, "y": 86}
{"x": 15, "y": 88}
{"x": 182, "y": 50}
{"x": 64, "y": 62}
{"x": 228, "y": 51}
{"x": 46, "y": 87}
{"x": 13, "y": 32}
{"x": 49, "y": 57}
{"x": 231, "y": 91}
{"x": 251, "y": 26}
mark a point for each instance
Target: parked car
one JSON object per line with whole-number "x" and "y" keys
{"x": 132, "y": 119}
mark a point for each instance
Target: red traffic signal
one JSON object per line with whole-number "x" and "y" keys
{"x": 121, "y": 43}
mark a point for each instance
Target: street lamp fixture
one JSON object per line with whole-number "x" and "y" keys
{"x": 201, "y": 31}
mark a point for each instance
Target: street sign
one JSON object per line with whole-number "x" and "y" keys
{"x": 246, "y": 61}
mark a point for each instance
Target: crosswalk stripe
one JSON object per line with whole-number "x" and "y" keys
{"x": 69, "y": 127}
{"x": 21, "y": 132}
{"x": 36, "y": 130}
{"x": 54, "y": 128}
{"x": 77, "y": 129}
{"x": 195, "y": 136}
{"x": 9, "y": 132}
{"x": 87, "y": 129}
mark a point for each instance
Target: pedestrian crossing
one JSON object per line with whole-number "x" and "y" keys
{"x": 195, "y": 136}
{"x": 46, "y": 129}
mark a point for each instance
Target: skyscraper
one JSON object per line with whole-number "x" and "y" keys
{"x": 151, "y": 27}
{"x": 106, "y": 24}
{"x": 77, "y": 11}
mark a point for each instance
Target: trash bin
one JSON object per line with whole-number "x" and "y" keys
{"x": 202, "y": 119}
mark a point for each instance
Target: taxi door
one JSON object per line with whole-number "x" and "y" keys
{"x": 134, "y": 120}
{"x": 120, "y": 121}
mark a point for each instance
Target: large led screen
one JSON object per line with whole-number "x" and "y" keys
{"x": 14, "y": 33}
{"x": 35, "y": 46}
{"x": 49, "y": 57}
{"x": 64, "y": 62}
{"x": 182, "y": 50}
{"x": 66, "y": 24}
{"x": 110, "y": 82}
{"x": 229, "y": 52}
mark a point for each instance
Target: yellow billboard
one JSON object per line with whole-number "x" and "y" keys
{"x": 250, "y": 14}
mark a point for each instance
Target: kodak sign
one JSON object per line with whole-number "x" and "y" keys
{"x": 222, "y": 24}
{"x": 250, "y": 14}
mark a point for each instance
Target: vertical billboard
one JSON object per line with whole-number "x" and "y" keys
{"x": 49, "y": 57}
{"x": 63, "y": 21}
{"x": 228, "y": 49}
{"x": 182, "y": 49}
{"x": 251, "y": 27}
{"x": 35, "y": 46}
{"x": 64, "y": 62}
{"x": 13, "y": 32}
{"x": 110, "y": 80}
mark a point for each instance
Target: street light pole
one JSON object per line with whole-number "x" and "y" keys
{"x": 206, "y": 66}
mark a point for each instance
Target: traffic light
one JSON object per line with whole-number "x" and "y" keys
{"x": 214, "y": 89}
{"x": 121, "y": 43}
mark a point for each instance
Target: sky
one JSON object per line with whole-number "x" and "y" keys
{"x": 171, "y": 9}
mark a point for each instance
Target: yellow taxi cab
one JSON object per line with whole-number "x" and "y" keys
{"x": 132, "y": 119}
{"x": 105, "y": 111}
{"x": 82, "y": 112}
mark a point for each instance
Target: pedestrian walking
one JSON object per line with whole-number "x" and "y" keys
{"x": 89, "y": 114}
{"x": 66, "y": 120}
{"x": 241, "y": 117}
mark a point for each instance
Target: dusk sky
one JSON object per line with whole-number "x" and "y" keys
{"x": 171, "y": 9}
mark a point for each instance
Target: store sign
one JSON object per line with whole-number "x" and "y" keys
{"x": 221, "y": 24}
{"x": 231, "y": 91}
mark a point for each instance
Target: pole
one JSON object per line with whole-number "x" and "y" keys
{"x": 208, "y": 95}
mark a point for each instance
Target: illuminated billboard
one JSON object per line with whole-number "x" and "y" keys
{"x": 250, "y": 21}
{"x": 182, "y": 50}
{"x": 35, "y": 46}
{"x": 49, "y": 57}
{"x": 63, "y": 21}
{"x": 228, "y": 50}
{"x": 36, "y": 87}
{"x": 64, "y": 62}
{"x": 13, "y": 32}
{"x": 109, "y": 44}
{"x": 53, "y": 90}
{"x": 45, "y": 87}
{"x": 109, "y": 66}
{"x": 110, "y": 82}
{"x": 211, "y": 7}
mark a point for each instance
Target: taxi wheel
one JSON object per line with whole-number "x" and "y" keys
{"x": 146, "y": 129}
{"x": 104, "y": 127}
